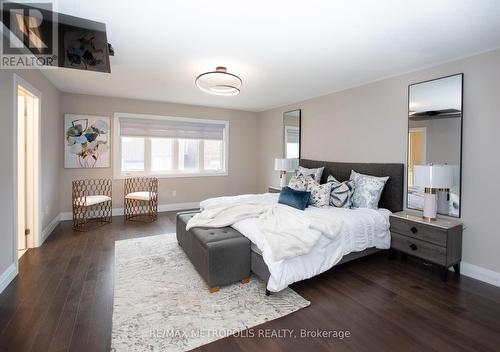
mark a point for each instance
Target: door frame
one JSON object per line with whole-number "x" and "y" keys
{"x": 408, "y": 152}
{"x": 36, "y": 238}
{"x": 419, "y": 129}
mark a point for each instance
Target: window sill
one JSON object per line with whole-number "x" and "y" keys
{"x": 176, "y": 175}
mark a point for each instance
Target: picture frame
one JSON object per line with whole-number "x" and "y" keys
{"x": 87, "y": 141}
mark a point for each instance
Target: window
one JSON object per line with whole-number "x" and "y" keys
{"x": 162, "y": 152}
{"x": 132, "y": 154}
{"x": 168, "y": 146}
{"x": 292, "y": 142}
{"x": 213, "y": 152}
{"x": 189, "y": 153}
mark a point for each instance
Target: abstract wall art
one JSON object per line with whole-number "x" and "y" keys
{"x": 86, "y": 141}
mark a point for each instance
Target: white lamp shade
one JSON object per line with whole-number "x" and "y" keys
{"x": 283, "y": 164}
{"x": 433, "y": 176}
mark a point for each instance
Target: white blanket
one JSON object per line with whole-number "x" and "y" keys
{"x": 288, "y": 231}
{"x": 361, "y": 229}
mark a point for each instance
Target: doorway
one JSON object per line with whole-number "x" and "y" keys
{"x": 417, "y": 150}
{"x": 27, "y": 116}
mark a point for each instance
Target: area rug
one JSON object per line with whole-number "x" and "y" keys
{"x": 162, "y": 304}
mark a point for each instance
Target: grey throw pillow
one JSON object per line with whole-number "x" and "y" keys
{"x": 341, "y": 193}
{"x": 320, "y": 194}
{"x": 314, "y": 173}
{"x": 367, "y": 190}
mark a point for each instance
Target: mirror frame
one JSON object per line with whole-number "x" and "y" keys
{"x": 300, "y": 131}
{"x": 461, "y": 140}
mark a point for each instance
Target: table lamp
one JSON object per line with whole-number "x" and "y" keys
{"x": 283, "y": 165}
{"x": 431, "y": 178}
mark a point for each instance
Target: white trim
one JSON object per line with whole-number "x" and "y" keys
{"x": 161, "y": 208}
{"x": 116, "y": 157}
{"x": 8, "y": 275}
{"x": 47, "y": 231}
{"x": 179, "y": 175}
{"x": 480, "y": 273}
{"x": 36, "y": 237}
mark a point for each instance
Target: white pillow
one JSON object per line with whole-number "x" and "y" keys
{"x": 320, "y": 194}
{"x": 298, "y": 182}
{"x": 314, "y": 173}
{"x": 367, "y": 190}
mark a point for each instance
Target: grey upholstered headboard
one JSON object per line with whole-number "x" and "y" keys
{"x": 392, "y": 197}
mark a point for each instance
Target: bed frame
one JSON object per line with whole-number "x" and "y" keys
{"x": 391, "y": 199}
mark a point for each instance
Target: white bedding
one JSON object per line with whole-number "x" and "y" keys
{"x": 289, "y": 232}
{"x": 362, "y": 229}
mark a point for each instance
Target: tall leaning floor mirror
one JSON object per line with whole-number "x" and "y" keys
{"x": 291, "y": 134}
{"x": 434, "y": 162}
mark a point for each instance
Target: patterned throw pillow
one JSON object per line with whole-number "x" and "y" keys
{"x": 367, "y": 190}
{"x": 341, "y": 194}
{"x": 298, "y": 183}
{"x": 320, "y": 194}
{"x": 314, "y": 173}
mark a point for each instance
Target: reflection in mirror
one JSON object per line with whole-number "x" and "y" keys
{"x": 291, "y": 134}
{"x": 434, "y": 138}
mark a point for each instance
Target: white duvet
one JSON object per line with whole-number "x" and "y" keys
{"x": 288, "y": 232}
{"x": 361, "y": 229}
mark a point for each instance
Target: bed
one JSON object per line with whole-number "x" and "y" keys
{"x": 365, "y": 231}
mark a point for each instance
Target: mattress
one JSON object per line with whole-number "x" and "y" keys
{"x": 362, "y": 229}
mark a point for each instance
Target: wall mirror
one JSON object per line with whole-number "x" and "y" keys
{"x": 291, "y": 134}
{"x": 435, "y": 142}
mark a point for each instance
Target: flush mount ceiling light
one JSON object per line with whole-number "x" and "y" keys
{"x": 219, "y": 82}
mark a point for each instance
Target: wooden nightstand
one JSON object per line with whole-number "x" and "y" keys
{"x": 438, "y": 242}
{"x": 274, "y": 189}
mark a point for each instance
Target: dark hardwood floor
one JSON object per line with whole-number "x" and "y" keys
{"x": 62, "y": 300}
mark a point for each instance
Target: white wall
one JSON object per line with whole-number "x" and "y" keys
{"x": 369, "y": 124}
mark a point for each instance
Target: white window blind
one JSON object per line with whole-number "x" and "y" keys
{"x": 292, "y": 135}
{"x": 131, "y": 127}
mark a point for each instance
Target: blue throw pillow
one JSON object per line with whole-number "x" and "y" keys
{"x": 293, "y": 198}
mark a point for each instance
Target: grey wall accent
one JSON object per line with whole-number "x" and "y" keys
{"x": 369, "y": 124}
{"x": 243, "y": 152}
{"x": 51, "y": 163}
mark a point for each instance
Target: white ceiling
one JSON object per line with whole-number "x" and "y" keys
{"x": 284, "y": 51}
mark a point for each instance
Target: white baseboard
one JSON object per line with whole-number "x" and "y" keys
{"x": 161, "y": 208}
{"x": 480, "y": 273}
{"x": 48, "y": 230}
{"x": 7, "y": 276}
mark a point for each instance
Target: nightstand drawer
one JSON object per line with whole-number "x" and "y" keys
{"x": 420, "y": 249}
{"x": 419, "y": 231}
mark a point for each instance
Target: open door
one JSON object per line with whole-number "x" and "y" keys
{"x": 28, "y": 110}
{"x": 417, "y": 150}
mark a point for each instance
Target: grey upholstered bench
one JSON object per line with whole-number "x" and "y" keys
{"x": 221, "y": 256}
